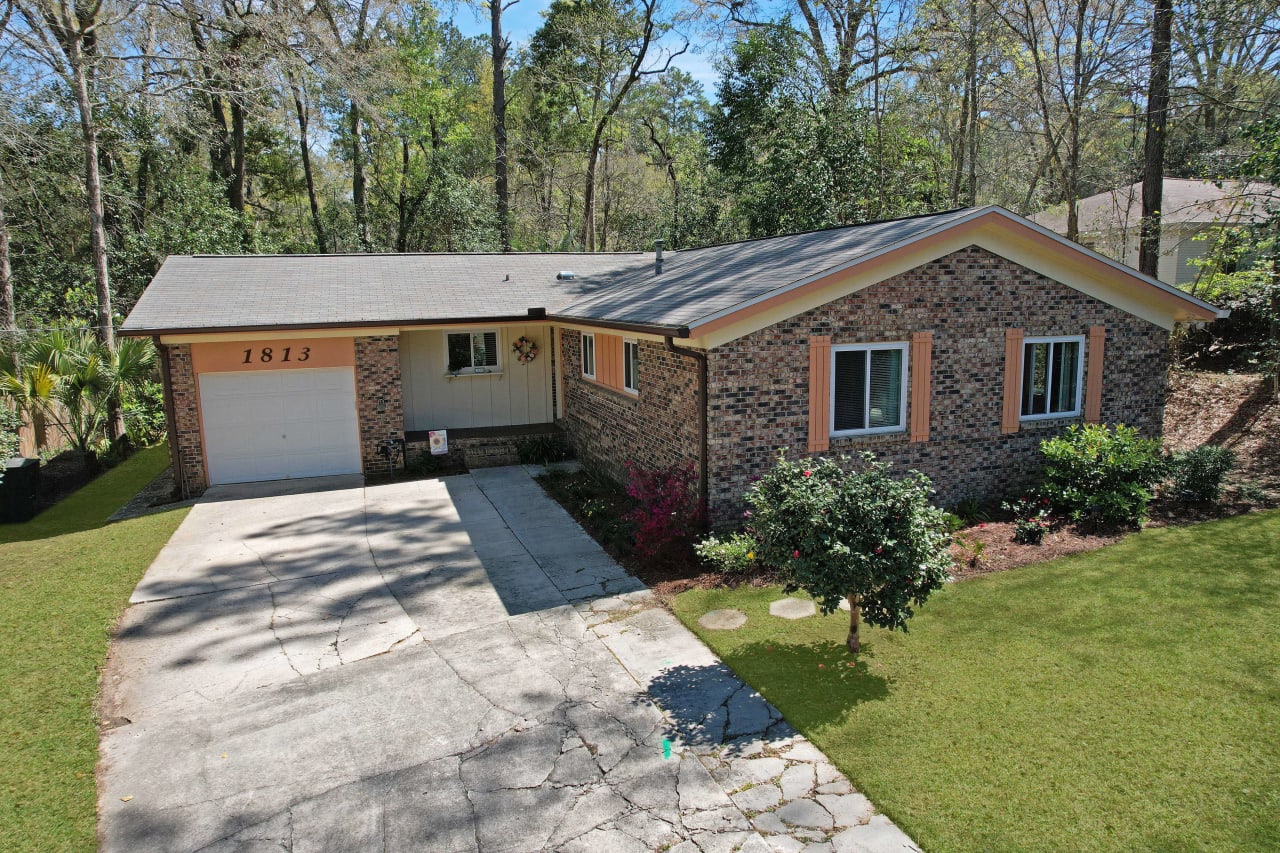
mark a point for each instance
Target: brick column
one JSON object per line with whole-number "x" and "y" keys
{"x": 185, "y": 429}
{"x": 378, "y": 397}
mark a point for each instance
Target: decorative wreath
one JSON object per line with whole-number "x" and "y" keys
{"x": 525, "y": 349}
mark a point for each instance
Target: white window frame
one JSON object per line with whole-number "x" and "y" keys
{"x": 634, "y": 387}
{"x": 472, "y": 370}
{"x": 589, "y": 336}
{"x": 1022, "y": 375}
{"x": 905, "y": 348}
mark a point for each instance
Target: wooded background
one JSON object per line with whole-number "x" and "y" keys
{"x": 130, "y": 131}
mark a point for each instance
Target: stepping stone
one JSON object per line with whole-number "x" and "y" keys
{"x": 723, "y": 620}
{"x": 792, "y": 608}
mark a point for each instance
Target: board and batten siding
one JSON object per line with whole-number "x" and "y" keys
{"x": 513, "y": 394}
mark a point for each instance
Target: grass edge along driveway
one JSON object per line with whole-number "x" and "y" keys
{"x": 1124, "y": 699}
{"x": 65, "y": 577}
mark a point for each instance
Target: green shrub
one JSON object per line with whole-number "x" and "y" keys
{"x": 541, "y": 450}
{"x": 1100, "y": 476}
{"x": 144, "y": 420}
{"x": 1197, "y": 474}
{"x": 843, "y": 532}
{"x": 972, "y": 510}
{"x": 1031, "y": 520}
{"x": 732, "y": 554}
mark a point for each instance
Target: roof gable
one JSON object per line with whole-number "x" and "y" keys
{"x": 754, "y": 286}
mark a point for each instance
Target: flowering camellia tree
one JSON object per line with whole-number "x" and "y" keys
{"x": 845, "y": 532}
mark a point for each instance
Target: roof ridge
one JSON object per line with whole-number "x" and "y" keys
{"x": 831, "y": 228}
{"x": 241, "y": 255}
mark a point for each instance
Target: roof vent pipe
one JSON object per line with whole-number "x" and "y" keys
{"x": 657, "y": 256}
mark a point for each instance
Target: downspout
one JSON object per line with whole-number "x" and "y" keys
{"x": 703, "y": 490}
{"x": 166, "y": 381}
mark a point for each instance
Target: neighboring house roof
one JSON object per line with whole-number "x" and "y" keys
{"x": 697, "y": 292}
{"x": 1185, "y": 200}
{"x": 193, "y": 293}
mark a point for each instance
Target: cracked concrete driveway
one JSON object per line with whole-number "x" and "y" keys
{"x": 441, "y": 665}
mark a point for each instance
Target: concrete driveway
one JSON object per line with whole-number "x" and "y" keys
{"x": 441, "y": 665}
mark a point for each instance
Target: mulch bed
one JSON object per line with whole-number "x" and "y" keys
{"x": 1235, "y": 411}
{"x": 1000, "y": 552}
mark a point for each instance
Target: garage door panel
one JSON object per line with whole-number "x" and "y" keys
{"x": 272, "y": 425}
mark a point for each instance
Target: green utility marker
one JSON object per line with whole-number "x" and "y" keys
{"x": 666, "y": 748}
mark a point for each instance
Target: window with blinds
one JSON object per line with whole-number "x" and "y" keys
{"x": 472, "y": 352}
{"x": 868, "y": 388}
{"x": 1052, "y": 370}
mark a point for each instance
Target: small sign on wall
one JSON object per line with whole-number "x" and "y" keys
{"x": 438, "y": 439}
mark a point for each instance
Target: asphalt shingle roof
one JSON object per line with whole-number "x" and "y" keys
{"x": 206, "y": 292}
{"x": 698, "y": 283}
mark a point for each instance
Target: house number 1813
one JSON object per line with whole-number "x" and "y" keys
{"x": 266, "y": 355}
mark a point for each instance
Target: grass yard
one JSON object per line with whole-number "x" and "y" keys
{"x": 65, "y": 576}
{"x": 1125, "y": 699}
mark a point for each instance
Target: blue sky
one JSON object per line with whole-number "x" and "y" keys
{"x": 522, "y": 19}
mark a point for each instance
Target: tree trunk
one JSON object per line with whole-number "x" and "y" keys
{"x": 402, "y": 199}
{"x": 1077, "y": 103}
{"x": 854, "y": 642}
{"x": 235, "y": 190}
{"x": 304, "y": 145}
{"x": 971, "y": 74}
{"x": 104, "y": 330}
{"x": 1153, "y": 153}
{"x": 8, "y": 315}
{"x": 500, "y": 45}
{"x": 358, "y": 184}
{"x": 588, "y": 235}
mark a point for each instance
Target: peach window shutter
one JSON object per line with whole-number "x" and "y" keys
{"x": 921, "y": 366}
{"x": 819, "y": 393}
{"x": 1012, "y": 381}
{"x": 609, "y": 360}
{"x": 1093, "y": 381}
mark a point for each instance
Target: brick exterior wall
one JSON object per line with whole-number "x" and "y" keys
{"x": 656, "y": 428}
{"x": 759, "y": 384}
{"x": 487, "y": 451}
{"x": 378, "y": 397}
{"x": 188, "y": 452}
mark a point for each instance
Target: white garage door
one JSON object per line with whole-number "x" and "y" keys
{"x": 279, "y": 424}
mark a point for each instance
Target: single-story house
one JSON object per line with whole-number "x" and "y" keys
{"x": 1194, "y": 213}
{"x": 951, "y": 343}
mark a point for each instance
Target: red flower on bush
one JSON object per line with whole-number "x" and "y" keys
{"x": 808, "y": 473}
{"x": 795, "y": 554}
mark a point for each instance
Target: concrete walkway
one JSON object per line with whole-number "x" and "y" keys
{"x": 438, "y": 665}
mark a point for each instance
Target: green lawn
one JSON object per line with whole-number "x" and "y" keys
{"x": 65, "y": 576}
{"x": 1127, "y": 699}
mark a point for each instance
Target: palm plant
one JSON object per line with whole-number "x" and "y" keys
{"x": 71, "y": 380}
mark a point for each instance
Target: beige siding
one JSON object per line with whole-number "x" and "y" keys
{"x": 514, "y": 394}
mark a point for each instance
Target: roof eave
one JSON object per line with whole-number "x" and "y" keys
{"x": 539, "y": 314}
{"x": 622, "y": 326}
